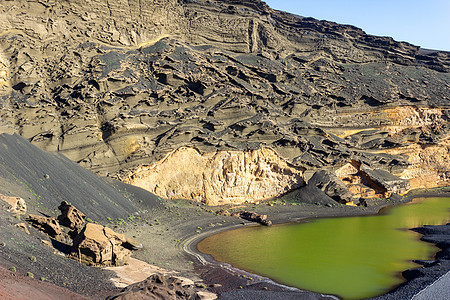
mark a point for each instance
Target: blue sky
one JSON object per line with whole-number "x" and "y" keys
{"x": 424, "y": 23}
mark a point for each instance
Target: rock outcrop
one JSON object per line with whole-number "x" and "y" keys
{"x": 221, "y": 177}
{"x": 16, "y": 205}
{"x": 385, "y": 181}
{"x": 246, "y": 215}
{"x": 160, "y": 286}
{"x": 92, "y": 244}
{"x": 23, "y": 226}
{"x": 47, "y": 225}
{"x": 254, "y": 217}
{"x": 335, "y": 188}
{"x": 70, "y": 216}
{"x": 98, "y": 245}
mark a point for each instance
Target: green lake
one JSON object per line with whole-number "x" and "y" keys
{"x": 352, "y": 257}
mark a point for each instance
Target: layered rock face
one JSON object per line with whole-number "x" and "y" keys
{"x": 220, "y": 177}
{"x": 120, "y": 85}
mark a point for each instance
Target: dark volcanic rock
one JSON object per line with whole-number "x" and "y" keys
{"x": 328, "y": 182}
{"x": 158, "y": 286}
{"x": 70, "y": 216}
{"x": 254, "y": 217}
{"x": 385, "y": 180}
{"x": 47, "y": 225}
{"x": 420, "y": 278}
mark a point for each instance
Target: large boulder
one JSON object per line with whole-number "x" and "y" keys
{"x": 70, "y": 216}
{"x": 98, "y": 245}
{"x": 45, "y": 224}
{"x": 385, "y": 181}
{"x": 247, "y": 215}
{"x": 334, "y": 187}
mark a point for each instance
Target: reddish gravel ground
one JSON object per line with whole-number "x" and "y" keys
{"x": 19, "y": 287}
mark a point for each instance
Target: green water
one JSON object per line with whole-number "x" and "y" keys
{"x": 354, "y": 257}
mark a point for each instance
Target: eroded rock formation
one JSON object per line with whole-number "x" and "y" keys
{"x": 16, "y": 205}
{"x": 47, "y": 225}
{"x": 220, "y": 177}
{"x": 91, "y": 244}
{"x": 100, "y": 246}
{"x": 123, "y": 83}
{"x": 159, "y": 286}
{"x": 70, "y": 216}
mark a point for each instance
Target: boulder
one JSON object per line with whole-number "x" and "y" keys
{"x": 254, "y": 217}
{"x": 98, "y": 245}
{"x": 335, "y": 188}
{"x": 132, "y": 244}
{"x": 70, "y": 216}
{"x": 385, "y": 181}
{"x": 17, "y": 204}
{"x": 47, "y": 225}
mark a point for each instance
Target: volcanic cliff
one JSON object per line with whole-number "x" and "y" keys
{"x": 229, "y": 91}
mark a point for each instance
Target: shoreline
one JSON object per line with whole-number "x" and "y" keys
{"x": 227, "y": 272}
{"x": 166, "y": 229}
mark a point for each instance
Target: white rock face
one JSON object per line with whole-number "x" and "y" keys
{"x": 219, "y": 177}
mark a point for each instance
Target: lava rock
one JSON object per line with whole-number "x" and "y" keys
{"x": 47, "y": 225}
{"x": 335, "y": 188}
{"x": 98, "y": 245}
{"x": 385, "y": 180}
{"x": 70, "y": 216}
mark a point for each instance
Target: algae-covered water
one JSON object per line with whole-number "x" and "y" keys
{"x": 353, "y": 257}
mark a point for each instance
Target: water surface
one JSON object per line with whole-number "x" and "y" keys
{"x": 353, "y": 257}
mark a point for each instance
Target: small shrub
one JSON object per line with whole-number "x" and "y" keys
{"x": 29, "y": 274}
{"x": 32, "y": 258}
{"x": 89, "y": 220}
{"x": 13, "y": 269}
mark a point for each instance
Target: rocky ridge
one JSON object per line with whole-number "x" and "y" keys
{"x": 119, "y": 87}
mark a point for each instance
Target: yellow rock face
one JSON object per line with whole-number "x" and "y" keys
{"x": 412, "y": 117}
{"x": 430, "y": 165}
{"x": 220, "y": 177}
{"x": 3, "y": 71}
